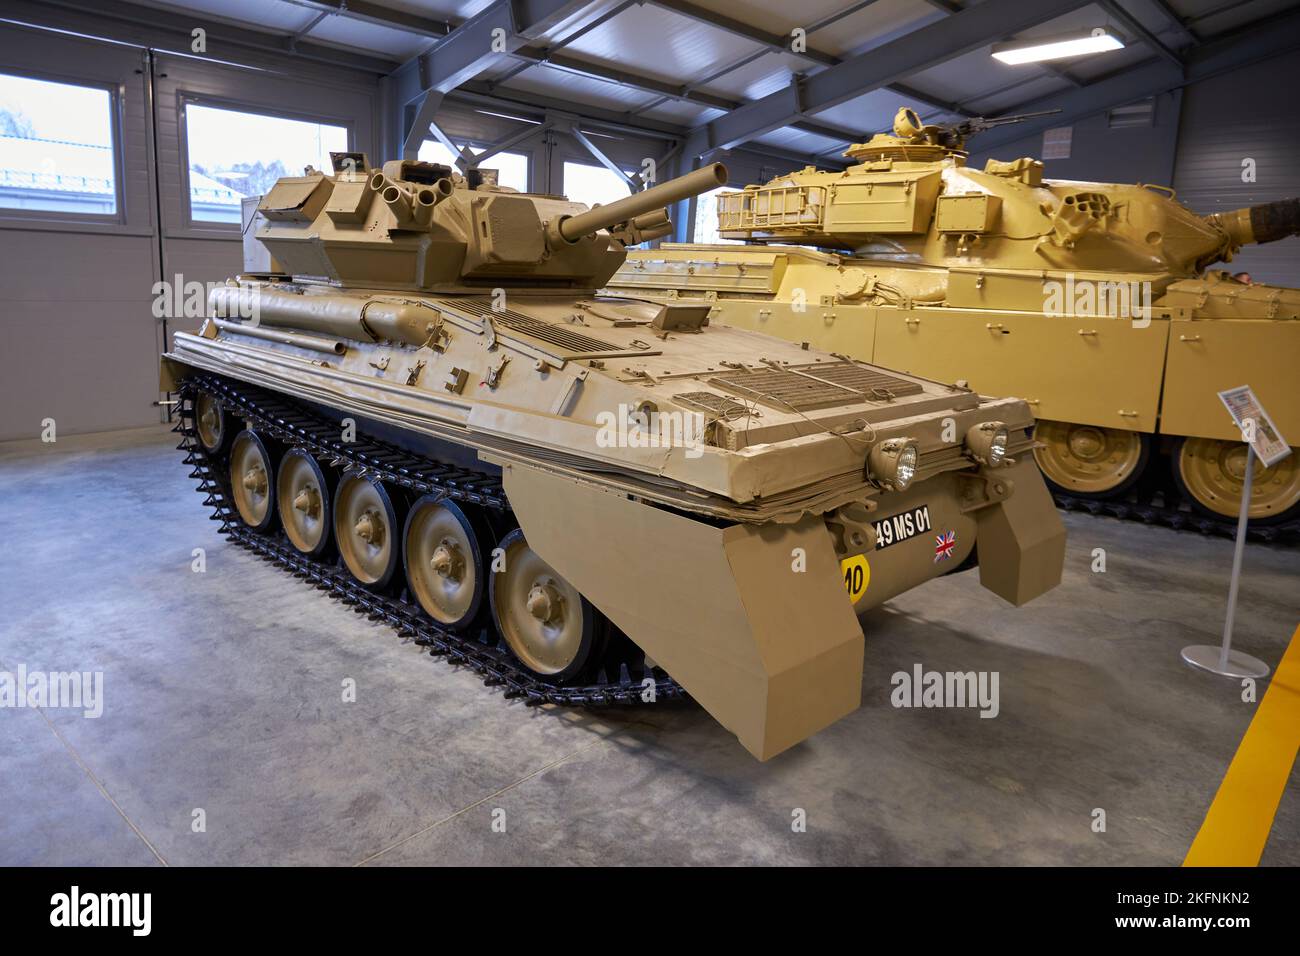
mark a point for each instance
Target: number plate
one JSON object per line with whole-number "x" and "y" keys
{"x": 900, "y": 527}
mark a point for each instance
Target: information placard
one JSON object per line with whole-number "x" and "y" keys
{"x": 1256, "y": 427}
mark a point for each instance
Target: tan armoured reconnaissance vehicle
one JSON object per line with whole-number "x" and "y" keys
{"x": 1094, "y": 301}
{"x": 422, "y": 405}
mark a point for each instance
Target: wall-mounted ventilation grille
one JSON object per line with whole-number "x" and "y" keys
{"x": 1141, "y": 113}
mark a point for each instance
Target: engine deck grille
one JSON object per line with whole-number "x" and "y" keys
{"x": 872, "y": 382}
{"x": 818, "y": 385}
{"x": 725, "y": 408}
{"x": 563, "y": 337}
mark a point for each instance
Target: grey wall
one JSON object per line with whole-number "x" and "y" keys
{"x": 1197, "y": 145}
{"x": 77, "y": 338}
{"x": 1250, "y": 114}
{"x": 77, "y": 332}
{"x": 1100, "y": 153}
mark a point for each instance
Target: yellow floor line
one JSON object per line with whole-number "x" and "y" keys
{"x": 1238, "y": 822}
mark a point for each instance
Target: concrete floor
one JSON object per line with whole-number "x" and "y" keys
{"x": 223, "y": 693}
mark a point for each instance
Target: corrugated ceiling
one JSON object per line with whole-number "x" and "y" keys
{"x": 684, "y": 51}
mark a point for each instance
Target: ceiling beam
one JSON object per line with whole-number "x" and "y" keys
{"x": 525, "y": 62}
{"x": 422, "y": 124}
{"x": 498, "y": 31}
{"x": 950, "y": 7}
{"x": 967, "y": 30}
{"x": 378, "y": 15}
{"x": 1277, "y": 36}
{"x": 167, "y": 30}
{"x": 738, "y": 28}
{"x": 420, "y": 74}
{"x": 666, "y": 91}
{"x": 1133, "y": 25}
{"x": 510, "y": 142}
{"x": 625, "y": 78}
{"x": 480, "y": 95}
{"x": 774, "y": 42}
{"x": 633, "y": 181}
{"x": 1176, "y": 20}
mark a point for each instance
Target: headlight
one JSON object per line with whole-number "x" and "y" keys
{"x": 892, "y": 463}
{"x": 987, "y": 443}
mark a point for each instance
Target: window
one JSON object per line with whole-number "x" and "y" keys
{"x": 512, "y": 168}
{"x": 56, "y": 147}
{"x": 432, "y": 151}
{"x": 234, "y": 154}
{"x": 594, "y": 184}
{"x": 706, "y": 216}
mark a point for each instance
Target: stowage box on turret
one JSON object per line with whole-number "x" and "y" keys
{"x": 1094, "y": 301}
{"x": 427, "y": 409}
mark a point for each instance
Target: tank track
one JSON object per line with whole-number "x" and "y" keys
{"x": 1150, "y": 508}
{"x": 273, "y": 416}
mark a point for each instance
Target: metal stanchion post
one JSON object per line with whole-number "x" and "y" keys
{"x": 1224, "y": 660}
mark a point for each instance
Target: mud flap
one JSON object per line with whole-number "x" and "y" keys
{"x": 773, "y": 654}
{"x": 1021, "y": 539}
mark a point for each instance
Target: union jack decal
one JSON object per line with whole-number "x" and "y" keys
{"x": 944, "y": 545}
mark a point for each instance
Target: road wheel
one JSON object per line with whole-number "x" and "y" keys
{"x": 303, "y": 494}
{"x": 251, "y": 468}
{"x": 546, "y": 623}
{"x": 365, "y": 530}
{"x": 1090, "y": 461}
{"x": 211, "y": 422}
{"x": 442, "y": 551}
{"x": 1211, "y": 474}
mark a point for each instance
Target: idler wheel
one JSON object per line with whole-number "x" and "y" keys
{"x": 1090, "y": 461}
{"x": 304, "y": 497}
{"x": 546, "y": 623}
{"x": 366, "y": 530}
{"x": 1211, "y": 474}
{"x": 211, "y": 422}
{"x": 442, "y": 552}
{"x": 251, "y": 480}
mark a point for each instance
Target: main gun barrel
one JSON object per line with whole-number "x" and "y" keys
{"x": 1266, "y": 222}
{"x": 572, "y": 228}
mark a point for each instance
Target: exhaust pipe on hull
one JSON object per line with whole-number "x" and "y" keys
{"x": 348, "y": 317}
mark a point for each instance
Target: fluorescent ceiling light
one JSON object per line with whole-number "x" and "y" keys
{"x": 1058, "y": 47}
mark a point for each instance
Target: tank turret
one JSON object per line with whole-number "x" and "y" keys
{"x": 912, "y": 198}
{"x": 420, "y": 226}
